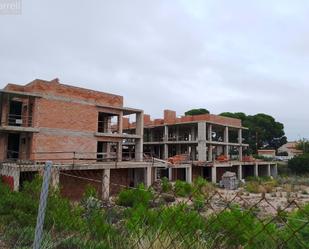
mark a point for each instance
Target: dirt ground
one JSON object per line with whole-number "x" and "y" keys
{"x": 266, "y": 204}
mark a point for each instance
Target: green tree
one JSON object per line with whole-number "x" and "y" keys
{"x": 299, "y": 164}
{"x": 196, "y": 112}
{"x": 264, "y": 131}
{"x": 303, "y": 145}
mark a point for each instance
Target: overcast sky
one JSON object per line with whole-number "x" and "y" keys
{"x": 249, "y": 56}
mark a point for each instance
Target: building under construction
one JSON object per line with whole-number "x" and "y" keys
{"x": 90, "y": 135}
{"x": 204, "y": 145}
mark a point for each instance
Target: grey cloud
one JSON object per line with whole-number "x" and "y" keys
{"x": 224, "y": 55}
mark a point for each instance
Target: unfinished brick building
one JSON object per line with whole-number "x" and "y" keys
{"x": 80, "y": 130}
{"x": 93, "y": 139}
{"x": 203, "y": 145}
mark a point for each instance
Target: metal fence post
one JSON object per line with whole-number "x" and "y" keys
{"x": 42, "y": 206}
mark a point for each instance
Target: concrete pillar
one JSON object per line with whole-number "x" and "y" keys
{"x": 120, "y": 123}
{"x": 201, "y": 133}
{"x": 268, "y": 170}
{"x": 108, "y": 124}
{"x": 5, "y": 109}
{"x": 148, "y": 179}
{"x": 189, "y": 174}
{"x": 193, "y": 136}
{"x": 256, "y": 170}
{"x": 55, "y": 177}
{"x": 170, "y": 174}
{"x": 240, "y": 153}
{"x": 226, "y": 140}
{"x": 105, "y": 184}
{"x": 165, "y": 139}
{"x": 240, "y": 172}
{"x": 193, "y": 152}
{"x": 165, "y": 135}
{"x": 210, "y": 153}
{"x": 140, "y": 133}
{"x": 213, "y": 174}
{"x": 155, "y": 174}
{"x": 240, "y": 136}
{"x": 119, "y": 151}
{"x": 226, "y": 134}
{"x": 177, "y": 132}
{"x": 209, "y": 131}
{"x": 16, "y": 176}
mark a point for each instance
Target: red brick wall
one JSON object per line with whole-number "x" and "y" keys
{"x": 73, "y": 187}
{"x": 53, "y": 87}
{"x": 196, "y": 172}
{"x": 179, "y": 174}
{"x": 169, "y": 116}
{"x": 66, "y": 115}
{"x": 58, "y": 142}
{"x": 119, "y": 178}
{"x": 73, "y": 183}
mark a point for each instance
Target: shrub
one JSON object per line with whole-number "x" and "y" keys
{"x": 134, "y": 197}
{"x": 236, "y": 228}
{"x": 283, "y": 169}
{"x": 261, "y": 185}
{"x": 199, "y": 203}
{"x": 299, "y": 164}
{"x": 182, "y": 188}
{"x": 166, "y": 185}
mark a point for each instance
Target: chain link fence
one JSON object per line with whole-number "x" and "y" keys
{"x": 58, "y": 208}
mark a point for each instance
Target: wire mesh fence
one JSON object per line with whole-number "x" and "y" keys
{"x": 84, "y": 210}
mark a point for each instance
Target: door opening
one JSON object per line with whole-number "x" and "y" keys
{"x": 13, "y": 146}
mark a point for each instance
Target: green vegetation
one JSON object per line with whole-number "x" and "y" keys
{"x": 135, "y": 197}
{"x": 303, "y": 145}
{"x": 183, "y": 189}
{"x": 166, "y": 185}
{"x": 260, "y": 184}
{"x": 196, "y": 112}
{"x": 86, "y": 225}
{"x": 299, "y": 164}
